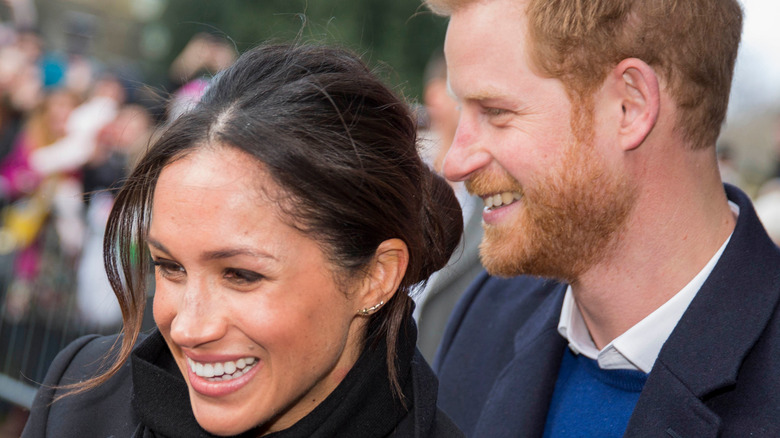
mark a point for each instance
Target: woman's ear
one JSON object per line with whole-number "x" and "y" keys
{"x": 385, "y": 273}
{"x": 636, "y": 88}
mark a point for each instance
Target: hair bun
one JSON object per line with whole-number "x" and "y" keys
{"x": 442, "y": 223}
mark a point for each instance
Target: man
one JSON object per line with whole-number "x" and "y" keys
{"x": 436, "y": 301}
{"x": 589, "y": 130}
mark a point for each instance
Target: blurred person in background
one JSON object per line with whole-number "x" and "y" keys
{"x": 83, "y": 126}
{"x": 29, "y": 196}
{"x": 768, "y": 195}
{"x": 768, "y": 208}
{"x": 118, "y": 145}
{"x": 437, "y": 299}
{"x": 631, "y": 292}
{"x": 202, "y": 57}
{"x": 45, "y": 125}
{"x": 776, "y": 143}
{"x": 287, "y": 215}
{"x": 727, "y": 165}
{"x": 24, "y": 14}
{"x": 21, "y": 88}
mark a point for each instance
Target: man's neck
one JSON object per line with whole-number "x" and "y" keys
{"x": 666, "y": 242}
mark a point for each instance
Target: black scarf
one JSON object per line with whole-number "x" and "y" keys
{"x": 361, "y": 406}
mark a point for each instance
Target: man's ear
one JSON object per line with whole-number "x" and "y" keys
{"x": 385, "y": 273}
{"x": 636, "y": 88}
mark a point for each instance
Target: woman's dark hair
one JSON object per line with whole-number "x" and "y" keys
{"x": 337, "y": 141}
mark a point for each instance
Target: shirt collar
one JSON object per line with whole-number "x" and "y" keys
{"x": 638, "y": 347}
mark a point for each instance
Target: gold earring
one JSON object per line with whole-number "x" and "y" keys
{"x": 372, "y": 309}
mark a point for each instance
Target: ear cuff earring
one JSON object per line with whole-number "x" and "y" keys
{"x": 372, "y": 309}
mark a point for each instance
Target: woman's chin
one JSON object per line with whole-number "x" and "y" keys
{"x": 222, "y": 421}
{"x": 222, "y": 426}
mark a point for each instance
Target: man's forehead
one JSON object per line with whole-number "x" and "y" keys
{"x": 485, "y": 54}
{"x": 486, "y": 26}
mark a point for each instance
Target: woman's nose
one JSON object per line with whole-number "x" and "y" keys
{"x": 198, "y": 319}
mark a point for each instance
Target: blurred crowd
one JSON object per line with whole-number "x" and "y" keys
{"x": 70, "y": 130}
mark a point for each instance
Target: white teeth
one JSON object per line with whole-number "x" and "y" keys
{"x": 220, "y": 371}
{"x": 501, "y": 199}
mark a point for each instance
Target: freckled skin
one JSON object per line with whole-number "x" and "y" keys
{"x": 272, "y": 297}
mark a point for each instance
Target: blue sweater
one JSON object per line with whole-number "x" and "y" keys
{"x": 591, "y": 402}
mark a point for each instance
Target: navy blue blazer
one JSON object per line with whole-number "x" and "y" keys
{"x": 718, "y": 374}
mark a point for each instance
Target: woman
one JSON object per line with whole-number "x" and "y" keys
{"x": 288, "y": 216}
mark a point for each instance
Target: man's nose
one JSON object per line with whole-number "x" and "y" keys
{"x": 466, "y": 154}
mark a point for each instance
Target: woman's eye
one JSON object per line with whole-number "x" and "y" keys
{"x": 168, "y": 269}
{"x": 242, "y": 276}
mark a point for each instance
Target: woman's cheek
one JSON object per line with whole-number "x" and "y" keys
{"x": 162, "y": 310}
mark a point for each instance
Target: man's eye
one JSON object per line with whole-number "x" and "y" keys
{"x": 493, "y": 112}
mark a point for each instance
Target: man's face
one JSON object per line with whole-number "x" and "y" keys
{"x": 553, "y": 203}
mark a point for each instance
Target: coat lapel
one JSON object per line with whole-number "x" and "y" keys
{"x": 705, "y": 351}
{"x": 668, "y": 408}
{"x": 520, "y": 397}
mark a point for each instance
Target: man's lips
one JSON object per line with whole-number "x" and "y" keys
{"x": 500, "y": 199}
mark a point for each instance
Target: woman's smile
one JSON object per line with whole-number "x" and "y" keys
{"x": 215, "y": 372}
{"x": 217, "y": 379}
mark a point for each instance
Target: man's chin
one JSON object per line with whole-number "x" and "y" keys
{"x": 509, "y": 255}
{"x": 502, "y": 254}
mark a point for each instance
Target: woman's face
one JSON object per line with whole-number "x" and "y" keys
{"x": 248, "y": 305}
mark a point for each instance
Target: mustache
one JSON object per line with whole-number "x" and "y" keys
{"x": 485, "y": 183}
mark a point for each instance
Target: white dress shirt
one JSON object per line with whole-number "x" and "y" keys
{"x": 638, "y": 347}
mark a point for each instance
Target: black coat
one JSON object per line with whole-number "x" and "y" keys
{"x": 718, "y": 374}
{"x": 360, "y": 406}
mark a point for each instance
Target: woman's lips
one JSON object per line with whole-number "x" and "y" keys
{"x": 216, "y": 379}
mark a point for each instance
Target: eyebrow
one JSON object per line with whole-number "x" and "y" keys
{"x": 233, "y": 252}
{"x": 489, "y": 93}
{"x": 158, "y": 245}
{"x": 217, "y": 254}
{"x": 489, "y": 97}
